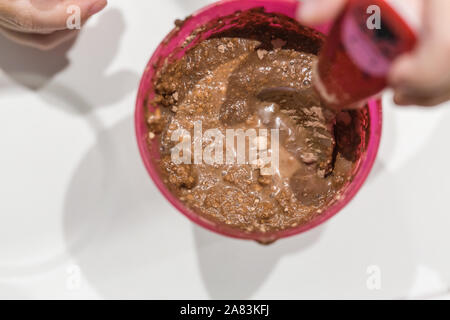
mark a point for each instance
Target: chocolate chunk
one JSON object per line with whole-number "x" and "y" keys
{"x": 179, "y": 175}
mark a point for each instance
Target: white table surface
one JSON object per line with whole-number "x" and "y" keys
{"x": 80, "y": 218}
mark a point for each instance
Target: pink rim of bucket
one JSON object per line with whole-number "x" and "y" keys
{"x": 214, "y": 11}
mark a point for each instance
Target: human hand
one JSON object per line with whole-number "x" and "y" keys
{"x": 43, "y": 24}
{"x": 421, "y": 77}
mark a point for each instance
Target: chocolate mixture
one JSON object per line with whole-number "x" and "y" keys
{"x": 218, "y": 82}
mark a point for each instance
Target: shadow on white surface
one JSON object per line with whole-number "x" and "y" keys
{"x": 30, "y": 67}
{"x": 91, "y": 75}
{"x": 86, "y": 83}
{"x": 34, "y": 70}
{"x": 118, "y": 227}
{"x": 327, "y": 263}
{"x": 421, "y": 192}
{"x": 236, "y": 269}
{"x": 425, "y": 177}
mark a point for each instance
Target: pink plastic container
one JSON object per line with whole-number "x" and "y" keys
{"x": 172, "y": 43}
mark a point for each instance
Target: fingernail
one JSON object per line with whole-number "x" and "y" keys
{"x": 97, "y": 7}
{"x": 307, "y": 9}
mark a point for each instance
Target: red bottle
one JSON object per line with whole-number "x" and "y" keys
{"x": 362, "y": 44}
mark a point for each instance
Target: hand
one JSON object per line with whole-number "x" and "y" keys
{"x": 421, "y": 77}
{"x": 43, "y": 24}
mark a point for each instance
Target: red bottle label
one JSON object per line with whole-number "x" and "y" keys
{"x": 356, "y": 58}
{"x": 364, "y": 52}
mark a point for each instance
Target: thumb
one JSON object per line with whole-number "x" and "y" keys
{"x": 421, "y": 77}
{"x": 39, "y": 17}
{"x": 57, "y": 17}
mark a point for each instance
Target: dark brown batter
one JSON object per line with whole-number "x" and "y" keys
{"x": 218, "y": 82}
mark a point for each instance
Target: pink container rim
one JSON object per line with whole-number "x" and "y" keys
{"x": 208, "y": 13}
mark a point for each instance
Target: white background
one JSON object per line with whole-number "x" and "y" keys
{"x": 80, "y": 218}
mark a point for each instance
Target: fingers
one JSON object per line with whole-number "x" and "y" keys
{"x": 43, "y": 24}
{"x": 313, "y": 12}
{"x": 39, "y": 41}
{"x": 422, "y": 77}
{"x": 404, "y": 98}
{"x": 56, "y": 18}
{"x": 34, "y": 16}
